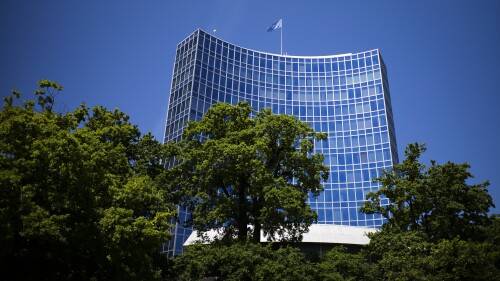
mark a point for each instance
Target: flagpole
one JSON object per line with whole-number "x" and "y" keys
{"x": 273, "y": 27}
{"x": 281, "y": 37}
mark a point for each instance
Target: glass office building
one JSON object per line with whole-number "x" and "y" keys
{"x": 346, "y": 96}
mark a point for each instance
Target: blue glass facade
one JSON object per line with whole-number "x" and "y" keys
{"x": 346, "y": 96}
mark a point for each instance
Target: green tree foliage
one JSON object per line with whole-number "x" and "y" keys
{"x": 243, "y": 261}
{"x": 235, "y": 171}
{"x": 339, "y": 265}
{"x": 79, "y": 193}
{"x": 462, "y": 260}
{"x": 437, "y": 223}
{"x": 437, "y": 201}
{"x": 398, "y": 256}
{"x": 411, "y": 256}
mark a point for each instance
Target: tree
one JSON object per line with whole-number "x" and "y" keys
{"x": 457, "y": 259}
{"x": 437, "y": 201}
{"x": 243, "y": 261}
{"x": 399, "y": 255}
{"x": 337, "y": 265}
{"x": 437, "y": 227}
{"x": 411, "y": 256}
{"x": 235, "y": 171}
{"x": 79, "y": 193}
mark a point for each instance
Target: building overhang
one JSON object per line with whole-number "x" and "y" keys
{"x": 318, "y": 234}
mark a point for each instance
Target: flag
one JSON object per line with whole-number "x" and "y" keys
{"x": 276, "y": 25}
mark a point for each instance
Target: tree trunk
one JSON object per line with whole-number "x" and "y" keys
{"x": 257, "y": 227}
{"x": 242, "y": 218}
{"x": 256, "y": 231}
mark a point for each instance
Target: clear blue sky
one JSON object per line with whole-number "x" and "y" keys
{"x": 443, "y": 58}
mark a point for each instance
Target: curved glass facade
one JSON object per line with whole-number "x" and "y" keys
{"x": 346, "y": 96}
